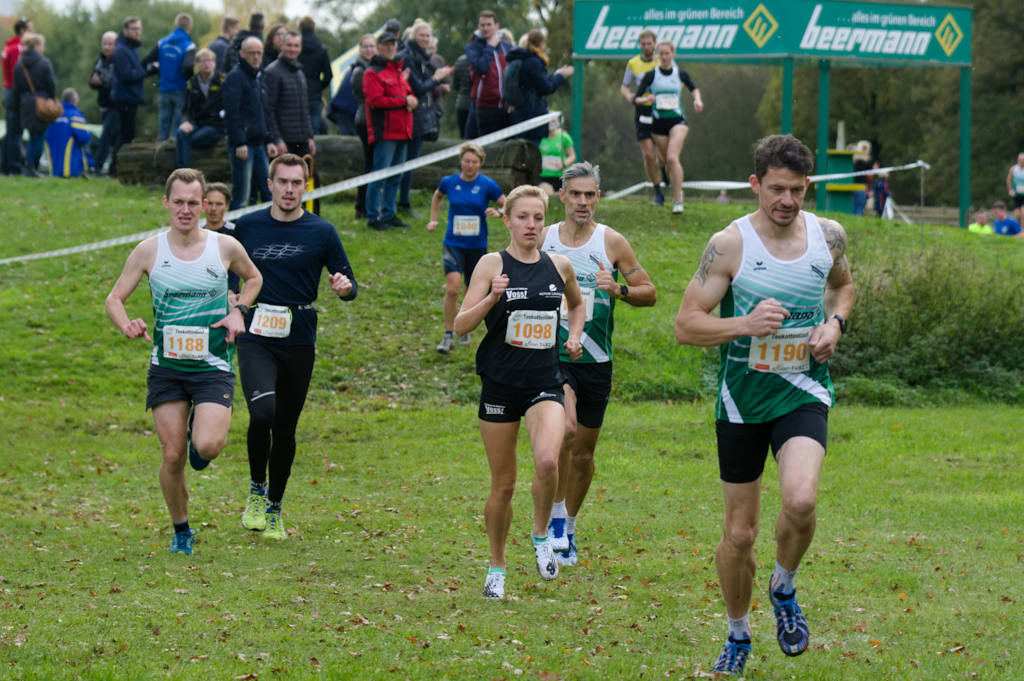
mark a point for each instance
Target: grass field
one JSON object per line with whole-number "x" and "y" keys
{"x": 915, "y": 572}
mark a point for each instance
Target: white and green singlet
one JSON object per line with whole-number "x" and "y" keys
{"x": 762, "y": 378}
{"x": 597, "y": 331}
{"x": 189, "y": 296}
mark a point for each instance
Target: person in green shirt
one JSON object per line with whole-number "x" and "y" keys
{"x": 556, "y": 153}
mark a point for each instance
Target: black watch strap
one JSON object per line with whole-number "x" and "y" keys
{"x": 842, "y": 322}
{"x": 623, "y": 291}
{"x": 243, "y": 308}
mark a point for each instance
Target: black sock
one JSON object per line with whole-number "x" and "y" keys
{"x": 181, "y": 527}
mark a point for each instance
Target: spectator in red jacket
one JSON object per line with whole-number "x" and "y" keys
{"x": 11, "y": 54}
{"x": 486, "y": 53}
{"x": 389, "y": 107}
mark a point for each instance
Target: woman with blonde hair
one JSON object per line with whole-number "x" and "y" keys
{"x": 534, "y": 84}
{"x": 517, "y": 293}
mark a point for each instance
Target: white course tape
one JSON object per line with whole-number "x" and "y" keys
{"x": 350, "y": 183}
{"x": 718, "y": 185}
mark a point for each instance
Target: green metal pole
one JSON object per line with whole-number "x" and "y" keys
{"x": 787, "y": 96}
{"x": 824, "y": 67}
{"x": 577, "y": 108}
{"x": 965, "y": 143}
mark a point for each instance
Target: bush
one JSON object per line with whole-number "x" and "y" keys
{"x": 940, "y": 322}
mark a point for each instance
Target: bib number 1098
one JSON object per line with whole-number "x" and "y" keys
{"x": 785, "y": 352}
{"x": 533, "y": 329}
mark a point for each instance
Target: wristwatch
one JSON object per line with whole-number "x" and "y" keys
{"x": 842, "y": 322}
{"x": 623, "y": 291}
{"x": 243, "y": 308}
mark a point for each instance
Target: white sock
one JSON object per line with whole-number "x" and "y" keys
{"x": 558, "y": 509}
{"x": 782, "y": 580}
{"x": 570, "y": 524}
{"x": 739, "y": 628}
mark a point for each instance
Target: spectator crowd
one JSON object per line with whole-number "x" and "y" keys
{"x": 265, "y": 92}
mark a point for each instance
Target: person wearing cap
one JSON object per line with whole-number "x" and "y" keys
{"x": 389, "y": 106}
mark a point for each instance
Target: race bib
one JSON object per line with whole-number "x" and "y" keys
{"x": 532, "y": 329}
{"x": 271, "y": 321}
{"x": 785, "y": 352}
{"x": 1018, "y": 189}
{"x": 646, "y": 120}
{"x": 588, "y": 300}
{"x": 551, "y": 162}
{"x": 186, "y": 342}
{"x": 665, "y": 102}
{"x": 466, "y": 225}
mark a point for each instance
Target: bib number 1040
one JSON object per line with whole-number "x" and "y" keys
{"x": 784, "y": 352}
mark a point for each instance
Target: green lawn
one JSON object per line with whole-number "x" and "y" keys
{"x": 915, "y": 572}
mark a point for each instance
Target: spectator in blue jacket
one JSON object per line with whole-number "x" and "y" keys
{"x": 67, "y": 140}
{"x": 245, "y": 117}
{"x": 175, "y": 54}
{"x": 126, "y": 92}
{"x": 535, "y": 82}
{"x": 202, "y": 120}
{"x": 229, "y": 27}
{"x": 487, "y": 52}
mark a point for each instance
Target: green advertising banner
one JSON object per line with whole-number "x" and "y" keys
{"x": 706, "y": 29}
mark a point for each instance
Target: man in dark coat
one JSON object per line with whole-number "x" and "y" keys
{"x": 245, "y": 117}
{"x": 316, "y": 64}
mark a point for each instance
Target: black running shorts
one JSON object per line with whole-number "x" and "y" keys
{"x": 743, "y": 447}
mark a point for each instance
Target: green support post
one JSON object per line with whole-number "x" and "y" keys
{"x": 576, "y": 130}
{"x": 824, "y": 67}
{"x": 965, "y": 143}
{"x": 787, "y": 96}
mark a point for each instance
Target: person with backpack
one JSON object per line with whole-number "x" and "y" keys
{"x": 33, "y": 78}
{"x": 526, "y": 83}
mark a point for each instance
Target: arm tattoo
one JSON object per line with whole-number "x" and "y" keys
{"x": 836, "y": 241}
{"x": 710, "y": 253}
{"x": 635, "y": 269}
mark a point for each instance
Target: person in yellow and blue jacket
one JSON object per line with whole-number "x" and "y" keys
{"x": 66, "y": 140}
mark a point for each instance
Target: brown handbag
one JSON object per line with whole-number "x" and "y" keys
{"x": 47, "y": 109}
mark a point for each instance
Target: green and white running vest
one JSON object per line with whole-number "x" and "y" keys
{"x": 755, "y": 376}
{"x": 187, "y": 298}
{"x": 666, "y": 91}
{"x": 1018, "y": 180}
{"x": 597, "y": 332}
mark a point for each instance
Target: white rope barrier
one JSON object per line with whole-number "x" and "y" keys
{"x": 351, "y": 183}
{"x": 719, "y": 185}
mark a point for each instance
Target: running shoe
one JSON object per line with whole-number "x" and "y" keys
{"x": 790, "y": 625}
{"x": 275, "y": 525}
{"x": 659, "y": 197}
{"x": 733, "y": 658}
{"x": 494, "y": 586}
{"x": 446, "y": 344}
{"x": 255, "y": 516}
{"x": 546, "y": 565}
{"x": 556, "y": 535}
{"x": 465, "y": 339}
{"x": 568, "y": 557}
{"x": 677, "y": 207}
{"x": 182, "y": 542}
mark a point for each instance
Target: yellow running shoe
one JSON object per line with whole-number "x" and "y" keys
{"x": 275, "y": 526}
{"x": 255, "y": 516}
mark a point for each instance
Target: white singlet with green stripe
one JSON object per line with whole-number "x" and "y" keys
{"x": 747, "y": 395}
{"x": 597, "y": 332}
{"x": 190, "y": 294}
{"x": 1018, "y": 180}
{"x": 666, "y": 90}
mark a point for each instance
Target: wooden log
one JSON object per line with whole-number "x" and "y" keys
{"x": 509, "y": 163}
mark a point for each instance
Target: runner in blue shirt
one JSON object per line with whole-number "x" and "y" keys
{"x": 1002, "y": 223}
{"x": 469, "y": 197}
